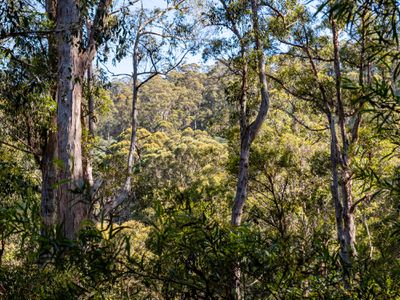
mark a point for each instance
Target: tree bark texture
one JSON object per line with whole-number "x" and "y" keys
{"x": 73, "y": 60}
{"x": 73, "y": 208}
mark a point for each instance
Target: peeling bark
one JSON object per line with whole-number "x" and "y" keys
{"x": 73, "y": 208}
{"x": 73, "y": 60}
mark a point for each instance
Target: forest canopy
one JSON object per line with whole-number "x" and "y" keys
{"x": 251, "y": 150}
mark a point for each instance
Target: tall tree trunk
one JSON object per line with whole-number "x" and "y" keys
{"x": 86, "y": 157}
{"x": 248, "y": 133}
{"x": 132, "y": 145}
{"x": 73, "y": 208}
{"x": 241, "y": 187}
{"x": 335, "y": 187}
{"x": 238, "y": 205}
{"x": 49, "y": 151}
{"x": 345, "y": 181}
{"x": 127, "y": 187}
{"x": 49, "y": 180}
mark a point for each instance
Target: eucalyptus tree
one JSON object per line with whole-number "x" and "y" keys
{"x": 375, "y": 26}
{"x": 76, "y": 47}
{"x": 245, "y": 25}
{"x": 243, "y": 48}
{"x": 69, "y": 32}
{"x": 158, "y": 40}
{"x": 249, "y": 131}
{"x": 363, "y": 22}
{"x": 334, "y": 74}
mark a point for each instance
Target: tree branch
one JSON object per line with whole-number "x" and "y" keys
{"x": 96, "y": 29}
{"x": 16, "y": 148}
{"x": 302, "y": 122}
{"x": 264, "y": 106}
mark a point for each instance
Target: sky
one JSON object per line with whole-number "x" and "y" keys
{"x": 125, "y": 65}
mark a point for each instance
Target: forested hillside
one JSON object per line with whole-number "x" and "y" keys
{"x": 251, "y": 151}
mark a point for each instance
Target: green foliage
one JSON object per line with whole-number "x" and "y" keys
{"x": 185, "y": 98}
{"x": 169, "y": 164}
{"x": 173, "y": 239}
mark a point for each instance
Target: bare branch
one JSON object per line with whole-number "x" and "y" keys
{"x": 16, "y": 147}
{"x": 302, "y": 122}
{"x": 367, "y": 197}
{"x": 6, "y": 35}
{"x": 171, "y": 68}
{"x": 114, "y": 74}
{"x": 288, "y": 90}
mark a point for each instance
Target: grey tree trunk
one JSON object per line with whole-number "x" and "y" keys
{"x": 348, "y": 250}
{"x": 242, "y": 183}
{"x": 247, "y": 134}
{"x": 335, "y": 187}
{"x": 73, "y": 208}
{"x": 49, "y": 151}
{"x": 132, "y": 146}
{"x": 341, "y": 179}
{"x": 241, "y": 187}
{"x": 238, "y": 205}
{"x": 126, "y": 189}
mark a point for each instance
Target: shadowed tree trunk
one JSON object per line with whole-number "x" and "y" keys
{"x": 49, "y": 151}
{"x": 49, "y": 180}
{"x": 348, "y": 240}
{"x": 86, "y": 158}
{"x": 341, "y": 178}
{"x": 335, "y": 191}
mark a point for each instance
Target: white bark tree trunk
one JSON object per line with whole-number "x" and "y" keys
{"x": 247, "y": 134}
